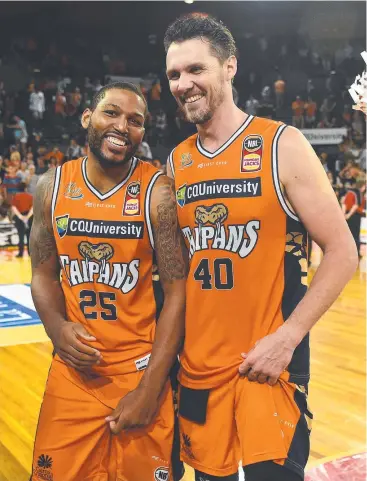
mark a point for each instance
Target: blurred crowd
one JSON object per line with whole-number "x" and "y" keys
{"x": 284, "y": 79}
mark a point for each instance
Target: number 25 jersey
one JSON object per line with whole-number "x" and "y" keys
{"x": 247, "y": 248}
{"x": 105, "y": 248}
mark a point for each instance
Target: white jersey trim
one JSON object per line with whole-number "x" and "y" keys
{"x": 147, "y": 207}
{"x": 276, "y": 181}
{"x": 170, "y": 161}
{"x": 238, "y": 132}
{"x": 112, "y": 191}
{"x": 55, "y": 191}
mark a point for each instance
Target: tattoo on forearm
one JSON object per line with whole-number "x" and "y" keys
{"x": 42, "y": 242}
{"x": 170, "y": 247}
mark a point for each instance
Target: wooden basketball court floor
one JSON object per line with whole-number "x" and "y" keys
{"x": 337, "y": 388}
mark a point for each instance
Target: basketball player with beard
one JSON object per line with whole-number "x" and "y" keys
{"x": 107, "y": 412}
{"x": 243, "y": 189}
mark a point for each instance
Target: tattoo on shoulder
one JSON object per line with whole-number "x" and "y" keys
{"x": 42, "y": 242}
{"x": 170, "y": 247}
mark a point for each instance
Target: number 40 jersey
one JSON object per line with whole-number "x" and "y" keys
{"x": 105, "y": 248}
{"x": 248, "y": 252}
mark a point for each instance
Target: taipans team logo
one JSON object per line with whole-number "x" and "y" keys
{"x": 186, "y": 161}
{"x": 101, "y": 253}
{"x": 215, "y": 214}
{"x": 72, "y": 191}
{"x": 62, "y": 223}
{"x": 43, "y": 470}
{"x": 132, "y": 199}
{"x": 181, "y": 195}
{"x": 252, "y": 151}
{"x": 161, "y": 474}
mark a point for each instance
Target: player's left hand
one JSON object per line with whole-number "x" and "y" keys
{"x": 268, "y": 359}
{"x": 136, "y": 410}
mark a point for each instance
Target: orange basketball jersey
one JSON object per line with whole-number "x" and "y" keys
{"x": 105, "y": 247}
{"x": 248, "y": 267}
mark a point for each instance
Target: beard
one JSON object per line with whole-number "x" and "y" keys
{"x": 95, "y": 140}
{"x": 203, "y": 115}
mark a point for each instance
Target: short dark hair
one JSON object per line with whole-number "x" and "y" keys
{"x": 98, "y": 96}
{"x": 202, "y": 25}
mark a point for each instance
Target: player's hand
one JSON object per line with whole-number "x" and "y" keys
{"x": 268, "y": 359}
{"x": 135, "y": 410}
{"x": 70, "y": 345}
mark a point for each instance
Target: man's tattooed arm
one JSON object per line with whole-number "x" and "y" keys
{"x": 172, "y": 260}
{"x": 46, "y": 290}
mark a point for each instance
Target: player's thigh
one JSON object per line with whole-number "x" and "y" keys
{"x": 146, "y": 454}
{"x": 72, "y": 438}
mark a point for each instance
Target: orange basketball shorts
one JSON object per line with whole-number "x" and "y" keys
{"x": 74, "y": 442}
{"x": 244, "y": 421}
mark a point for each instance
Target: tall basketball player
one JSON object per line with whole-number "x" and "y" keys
{"x": 248, "y": 190}
{"x": 99, "y": 220}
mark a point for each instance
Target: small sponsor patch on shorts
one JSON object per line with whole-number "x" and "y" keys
{"x": 142, "y": 363}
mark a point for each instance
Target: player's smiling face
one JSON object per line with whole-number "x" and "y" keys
{"x": 115, "y": 127}
{"x": 196, "y": 78}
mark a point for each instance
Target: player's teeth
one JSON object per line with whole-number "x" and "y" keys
{"x": 115, "y": 141}
{"x": 193, "y": 99}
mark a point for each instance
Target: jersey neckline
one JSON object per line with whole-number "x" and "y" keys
{"x": 117, "y": 187}
{"x": 226, "y": 144}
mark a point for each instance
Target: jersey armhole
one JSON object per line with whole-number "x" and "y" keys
{"x": 147, "y": 207}
{"x": 275, "y": 173}
{"x": 171, "y": 164}
{"x": 55, "y": 191}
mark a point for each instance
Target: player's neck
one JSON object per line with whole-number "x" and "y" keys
{"x": 105, "y": 178}
{"x": 226, "y": 120}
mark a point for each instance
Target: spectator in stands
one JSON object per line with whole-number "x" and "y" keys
{"x": 60, "y": 104}
{"x": 11, "y": 184}
{"x": 279, "y": 89}
{"x": 15, "y": 156}
{"x": 144, "y": 151}
{"x": 75, "y": 102}
{"x": 23, "y": 172}
{"x": 2, "y": 169}
{"x": 32, "y": 180}
{"x": 251, "y": 106}
{"x": 21, "y": 134}
{"x": 155, "y": 95}
{"x": 310, "y": 113}
{"x": 323, "y": 159}
{"x": 22, "y": 209}
{"x": 298, "y": 111}
{"x": 42, "y": 166}
{"x": 37, "y": 104}
{"x": 353, "y": 206}
{"x": 328, "y": 110}
{"x": 362, "y": 158}
{"x": 74, "y": 151}
{"x": 55, "y": 154}
{"x": 97, "y": 85}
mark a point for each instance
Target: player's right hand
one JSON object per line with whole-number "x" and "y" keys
{"x": 70, "y": 348}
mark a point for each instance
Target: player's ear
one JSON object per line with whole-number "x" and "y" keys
{"x": 231, "y": 67}
{"x": 86, "y": 115}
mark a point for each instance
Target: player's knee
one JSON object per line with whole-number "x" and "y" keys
{"x": 199, "y": 476}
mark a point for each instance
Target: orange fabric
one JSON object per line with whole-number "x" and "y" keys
{"x": 350, "y": 200}
{"x": 106, "y": 259}
{"x": 298, "y": 108}
{"x": 74, "y": 442}
{"x": 245, "y": 421}
{"x": 23, "y": 201}
{"x": 279, "y": 86}
{"x": 310, "y": 109}
{"x": 237, "y": 242}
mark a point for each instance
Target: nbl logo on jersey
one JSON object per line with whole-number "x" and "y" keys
{"x": 213, "y": 233}
{"x": 252, "y": 151}
{"x": 132, "y": 199}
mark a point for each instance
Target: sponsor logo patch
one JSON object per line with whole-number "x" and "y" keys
{"x": 252, "y": 151}
{"x": 218, "y": 189}
{"x": 161, "y": 474}
{"x": 132, "y": 199}
{"x": 98, "y": 228}
{"x": 142, "y": 363}
{"x": 43, "y": 470}
{"x": 62, "y": 223}
{"x": 72, "y": 191}
{"x": 186, "y": 161}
